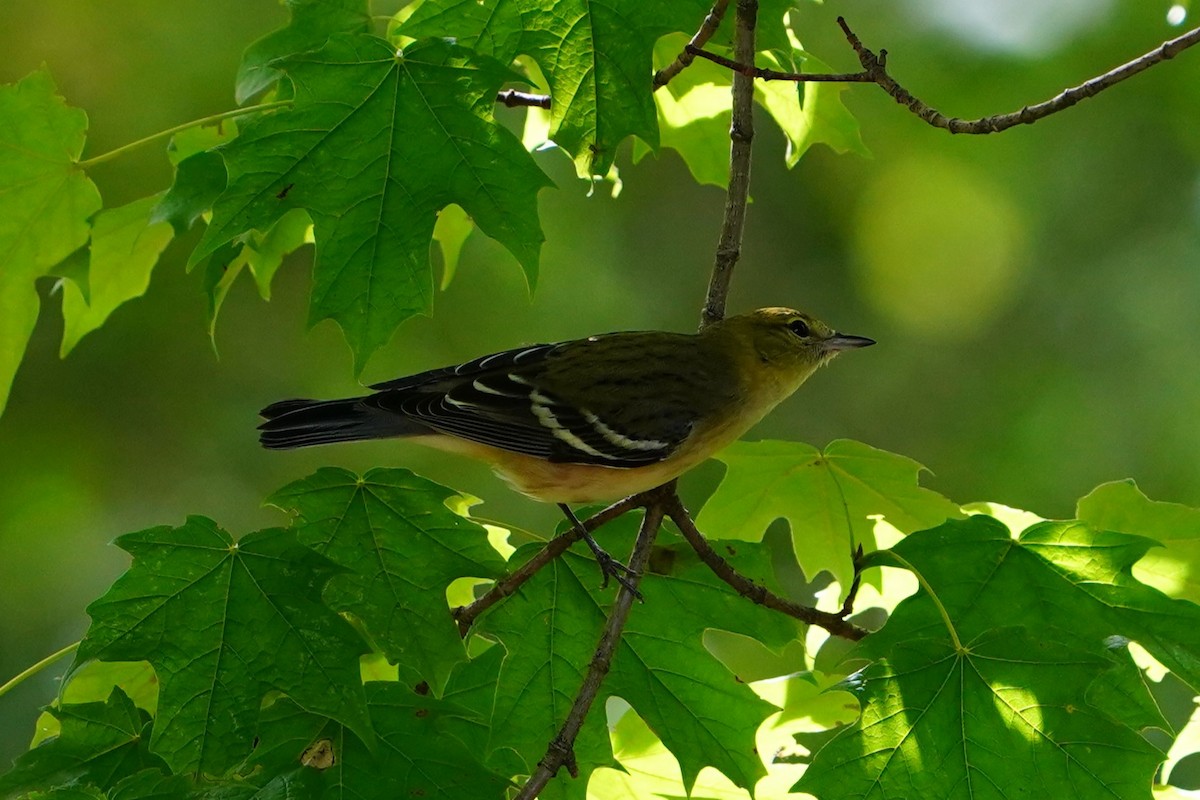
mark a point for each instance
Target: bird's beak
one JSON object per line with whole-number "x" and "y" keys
{"x": 842, "y": 341}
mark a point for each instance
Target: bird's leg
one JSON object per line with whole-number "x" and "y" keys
{"x": 609, "y": 566}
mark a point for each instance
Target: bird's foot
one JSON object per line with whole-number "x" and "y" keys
{"x": 612, "y": 568}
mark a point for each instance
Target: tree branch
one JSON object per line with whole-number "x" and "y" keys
{"x": 834, "y": 623}
{"x": 751, "y": 71}
{"x": 874, "y": 67}
{"x": 561, "y": 750}
{"x": 685, "y": 58}
{"x": 466, "y": 615}
{"x": 514, "y": 99}
{"x": 741, "y": 135}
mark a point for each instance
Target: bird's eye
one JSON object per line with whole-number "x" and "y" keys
{"x": 799, "y": 327}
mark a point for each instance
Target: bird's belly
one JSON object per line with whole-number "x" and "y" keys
{"x": 559, "y": 482}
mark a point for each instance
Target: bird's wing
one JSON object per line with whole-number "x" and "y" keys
{"x": 497, "y": 400}
{"x": 448, "y": 377}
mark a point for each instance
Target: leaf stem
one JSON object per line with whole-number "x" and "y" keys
{"x": 87, "y": 163}
{"x": 36, "y": 668}
{"x": 904, "y": 562}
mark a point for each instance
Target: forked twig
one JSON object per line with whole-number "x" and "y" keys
{"x": 561, "y": 749}
{"x": 466, "y": 615}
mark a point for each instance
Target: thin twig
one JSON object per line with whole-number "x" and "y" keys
{"x": 874, "y": 66}
{"x": 88, "y": 163}
{"x": 465, "y": 616}
{"x": 751, "y": 71}
{"x": 513, "y": 99}
{"x": 561, "y": 750}
{"x": 711, "y": 22}
{"x": 741, "y": 135}
{"x": 834, "y": 623}
{"x": 25, "y": 674}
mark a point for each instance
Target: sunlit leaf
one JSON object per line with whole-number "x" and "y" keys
{"x": 125, "y": 247}
{"x": 312, "y": 23}
{"x": 451, "y": 232}
{"x": 828, "y": 498}
{"x": 596, "y": 59}
{"x": 45, "y": 203}
{"x": 998, "y": 681}
{"x": 1173, "y": 568}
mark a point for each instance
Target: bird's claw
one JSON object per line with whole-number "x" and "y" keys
{"x": 612, "y": 568}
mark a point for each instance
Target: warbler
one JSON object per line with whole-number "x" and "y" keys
{"x": 591, "y": 419}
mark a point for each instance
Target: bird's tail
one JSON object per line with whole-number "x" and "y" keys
{"x": 303, "y": 423}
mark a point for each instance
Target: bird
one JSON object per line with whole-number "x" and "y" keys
{"x": 585, "y": 420}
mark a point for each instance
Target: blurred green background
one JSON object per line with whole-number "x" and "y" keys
{"x": 1036, "y": 294}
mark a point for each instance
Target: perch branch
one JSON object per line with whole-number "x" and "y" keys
{"x": 561, "y": 750}
{"x": 836, "y": 624}
{"x": 741, "y": 135}
{"x": 466, "y": 615}
{"x": 685, "y": 58}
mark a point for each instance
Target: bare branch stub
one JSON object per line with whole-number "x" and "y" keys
{"x": 514, "y": 99}
{"x": 561, "y": 750}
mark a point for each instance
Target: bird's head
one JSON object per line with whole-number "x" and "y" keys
{"x": 788, "y": 340}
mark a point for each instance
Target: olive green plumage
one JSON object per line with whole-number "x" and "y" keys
{"x": 589, "y": 419}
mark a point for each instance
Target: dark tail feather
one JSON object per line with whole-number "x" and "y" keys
{"x": 303, "y": 423}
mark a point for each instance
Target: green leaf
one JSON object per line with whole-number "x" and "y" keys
{"x": 150, "y": 784}
{"x": 94, "y": 682}
{"x": 414, "y": 757}
{"x": 1063, "y": 575}
{"x": 264, "y": 253}
{"x": 451, "y": 232}
{"x": 222, "y": 623}
{"x": 99, "y": 743}
{"x": 311, "y": 25}
{"x": 1056, "y": 703}
{"x": 999, "y": 718}
{"x": 694, "y": 110}
{"x": 199, "y": 180}
{"x": 125, "y": 247}
{"x": 661, "y": 668}
{"x": 401, "y": 547}
{"x": 828, "y": 498}
{"x": 375, "y": 145}
{"x": 814, "y": 114}
{"x": 1175, "y": 567}
{"x": 45, "y": 203}
{"x": 596, "y": 59}
{"x": 1185, "y": 744}
{"x": 199, "y": 174}
{"x": 261, "y": 253}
